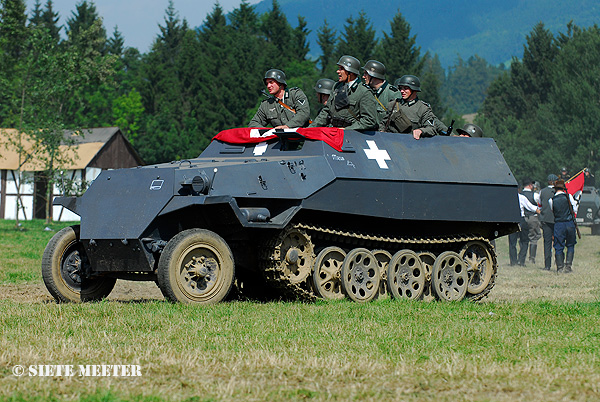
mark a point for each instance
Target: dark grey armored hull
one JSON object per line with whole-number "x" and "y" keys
{"x": 381, "y": 185}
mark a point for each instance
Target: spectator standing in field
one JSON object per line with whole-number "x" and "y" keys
{"x": 547, "y": 219}
{"x": 532, "y": 219}
{"x": 522, "y": 236}
{"x": 564, "y": 208}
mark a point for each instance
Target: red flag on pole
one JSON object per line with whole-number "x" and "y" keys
{"x": 575, "y": 183}
{"x": 331, "y": 135}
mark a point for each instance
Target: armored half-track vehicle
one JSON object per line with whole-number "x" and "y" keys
{"x": 361, "y": 215}
{"x": 588, "y": 213}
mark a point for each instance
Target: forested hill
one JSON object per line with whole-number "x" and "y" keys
{"x": 494, "y": 30}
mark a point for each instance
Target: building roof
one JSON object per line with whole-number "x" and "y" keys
{"x": 84, "y": 149}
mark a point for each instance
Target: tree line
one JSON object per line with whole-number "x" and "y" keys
{"x": 544, "y": 112}
{"x": 195, "y": 82}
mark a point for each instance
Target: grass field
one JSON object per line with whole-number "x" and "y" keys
{"x": 536, "y": 338}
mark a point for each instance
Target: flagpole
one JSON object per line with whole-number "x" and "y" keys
{"x": 574, "y": 176}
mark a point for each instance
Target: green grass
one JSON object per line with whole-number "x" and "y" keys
{"x": 295, "y": 351}
{"x": 537, "y": 338}
{"x": 22, "y": 248}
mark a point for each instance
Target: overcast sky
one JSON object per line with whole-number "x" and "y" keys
{"x": 138, "y": 19}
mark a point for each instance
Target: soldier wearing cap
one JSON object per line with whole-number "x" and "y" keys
{"x": 323, "y": 88}
{"x": 284, "y": 108}
{"x": 564, "y": 209}
{"x": 374, "y": 77}
{"x": 547, "y": 220}
{"x": 352, "y": 104}
{"x": 470, "y": 130}
{"x": 409, "y": 114}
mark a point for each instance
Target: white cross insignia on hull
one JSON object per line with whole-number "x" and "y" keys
{"x": 380, "y": 155}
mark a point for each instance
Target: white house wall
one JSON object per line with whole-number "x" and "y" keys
{"x": 59, "y": 213}
{"x": 26, "y": 186}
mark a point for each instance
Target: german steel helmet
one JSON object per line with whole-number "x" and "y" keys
{"x": 410, "y": 81}
{"x": 375, "y": 69}
{"x": 471, "y": 130}
{"x": 275, "y": 74}
{"x": 350, "y": 64}
{"x": 324, "y": 86}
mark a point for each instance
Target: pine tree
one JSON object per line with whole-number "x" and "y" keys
{"x": 50, "y": 21}
{"x": 326, "y": 38}
{"x": 278, "y": 34}
{"x": 466, "y": 85}
{"x": 398, "y": 50}
{"x": 116, "y": 44}
{"x": 431, "y": 81}
{"x": 358, "y": 38}
{"x": 300, "y": 47}
{"x": 36, "y": 14}
{"x": 13, "y": 31}
{"x": 82, "y": 21}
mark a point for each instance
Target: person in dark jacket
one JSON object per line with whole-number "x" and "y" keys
{"x": 564, "y": 209}
{"x": 547, "y": 220}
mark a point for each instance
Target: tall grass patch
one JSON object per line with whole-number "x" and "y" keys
{"x": 22, "y": 247}
{"x": 296, "y": 351}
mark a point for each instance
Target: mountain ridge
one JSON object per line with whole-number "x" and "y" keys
{"x": 495, "y": 31}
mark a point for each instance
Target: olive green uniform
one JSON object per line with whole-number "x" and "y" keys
{"x": 384, "y": 95}
{"x": 271, "y": 114}
{"x": 356, "y": 111}
{"x": 420, "y": 115}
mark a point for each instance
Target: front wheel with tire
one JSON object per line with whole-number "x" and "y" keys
{"x": 64, "y": 264}
{"x": 196, "y": 266}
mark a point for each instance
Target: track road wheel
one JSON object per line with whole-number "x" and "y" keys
{"x": 449, "y": 277}
{"x": 383, "y": 258}
{"x": 63, "y": 263}
{"x": 296, "y": 255}
{"x": 406, "y": 275}
{"x": 360, "y": 275}
{"x": 327, "y": 271}
{"x": 480, "y": 266}
{"x": 196, "y": 266}
{"x": 428, "y": 259}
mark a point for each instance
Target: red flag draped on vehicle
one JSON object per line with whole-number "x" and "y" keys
{"x": 575, "y": 183}
{"x": 331, "y": 135}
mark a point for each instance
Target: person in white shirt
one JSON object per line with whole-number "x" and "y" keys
{"x": 522, "y": 235}
{"x": 534, "y": 225}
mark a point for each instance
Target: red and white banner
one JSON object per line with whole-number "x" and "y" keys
{"x": 575, "y": 183}
{"x": 333, "y": 136}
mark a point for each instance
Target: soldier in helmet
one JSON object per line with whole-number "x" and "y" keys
{"x": 409, "y": 108}
{"x": 352, "y": 104}
{"x": 470, "y": 130}
{"x": 284, "y": 108}
{"x": 323, "y": 88}
{"x": 374, "y": 77}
